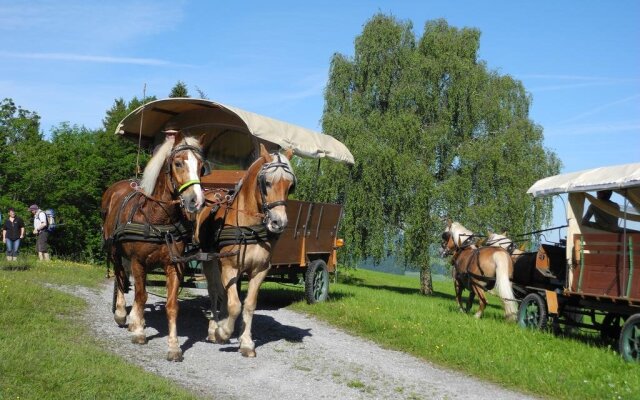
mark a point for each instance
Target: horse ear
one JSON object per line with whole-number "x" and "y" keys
{"x": 288, "y": 154}
{"x": 178, "y": 137}
{"x": 504, "y": 233}
{"x": 263, "y": 152}
{"x": 523, "y": 247}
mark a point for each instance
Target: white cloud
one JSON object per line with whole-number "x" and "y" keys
{"x": 71, "y": 26}
{"x": 86, "y": 58}
{"x": 614, "y": 128}
{"x": 600, "y": 108}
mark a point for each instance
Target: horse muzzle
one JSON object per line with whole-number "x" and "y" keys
{"x": 275, "y": 224}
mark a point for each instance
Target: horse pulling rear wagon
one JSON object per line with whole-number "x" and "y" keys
{"x": 593, "y": 281}
{"x": 245, "y": 226}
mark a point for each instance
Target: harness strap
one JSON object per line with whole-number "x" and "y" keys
{"x": 134, "y": 231}
{"x": 242, "y": 235}
{"x": 187, "y": 184}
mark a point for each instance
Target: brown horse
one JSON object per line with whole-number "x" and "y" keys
{"x": 478, "y": 269}
{"x": 145, "y": 224}
{"x": 241, "y": 228}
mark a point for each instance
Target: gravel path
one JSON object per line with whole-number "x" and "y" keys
{"x": 298, "y": 358}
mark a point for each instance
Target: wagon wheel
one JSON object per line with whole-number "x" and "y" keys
{"x": 629, "y": 343}
{"x": 316, "y": 282}
{"x": 611, "y": 326}
{"x": 533, "y": 312}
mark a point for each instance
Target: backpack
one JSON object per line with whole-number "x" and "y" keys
{"x": 51, "y": 219}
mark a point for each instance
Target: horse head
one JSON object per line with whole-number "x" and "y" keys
{"x": 186, "y": 165}
{"x": 454, "y": 237}
{"x": 181, "y": 159}
{"x": 275, "y": 182}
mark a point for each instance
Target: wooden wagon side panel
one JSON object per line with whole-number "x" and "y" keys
{"x": 607, "y": 264}
{"x": 311, "y": 230}
{"x": 289, "y": 249}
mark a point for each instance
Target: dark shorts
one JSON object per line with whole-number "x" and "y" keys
{"x": 42, "y": 242}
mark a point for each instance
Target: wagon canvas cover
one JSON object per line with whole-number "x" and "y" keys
{"x": 626, "y": 176}
{"x": 149, "y": 119}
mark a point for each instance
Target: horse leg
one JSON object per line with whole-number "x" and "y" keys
{"x": 247, "y": 346}
{"x": 472, "y": 296}
{"x": 211, "y": 270}
{"x": 120, "y": 314}
{"x": 174, "y": 278}
{"x": 458, "y": 289}
{"x": 136, "y": 316}
{"x": 225, "y": 327}
{"x": 481, "y": 299}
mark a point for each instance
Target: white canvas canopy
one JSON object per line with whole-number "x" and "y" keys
{"x": 626, "y": 176}
{"x": 148, "y": 120}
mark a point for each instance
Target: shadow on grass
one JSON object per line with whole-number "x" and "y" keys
{"x": 14, "y": 267}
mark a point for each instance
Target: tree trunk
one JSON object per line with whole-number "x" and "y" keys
{"x": 426, "y": 285}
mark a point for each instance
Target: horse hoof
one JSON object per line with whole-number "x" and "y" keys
{"x": 220, "y": 338}
{"x": 250, "y": 353}
{"x": 477, "y": 316}
{"x": 139, "y": 339}
{"x": 217, "y": 340}
{"x": 120, "y": 320}
{"x": 175, "y": 355}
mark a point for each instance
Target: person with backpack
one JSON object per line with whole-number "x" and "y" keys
{"x": 41, "y": 231}
{"x": 12, "y": 233}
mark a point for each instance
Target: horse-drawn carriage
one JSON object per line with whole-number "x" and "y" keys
{"x": 306, "y": 249}
{"x": 592, "y": 280}
{"x": 215, "y": 193}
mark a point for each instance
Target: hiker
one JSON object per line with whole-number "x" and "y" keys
{"x": 12, "y": 233}
{"x": 40, "y": 230}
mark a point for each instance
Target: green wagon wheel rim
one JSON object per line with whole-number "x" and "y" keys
{"x": 533, "y": 312}
{"x": 630, "y": 340}
{"x": 319, "y": 284}
{"x": 531, "y": 315}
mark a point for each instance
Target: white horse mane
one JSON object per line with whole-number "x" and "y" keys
{"x": 495, "y": 239}
{"x": 459, "y": 233}
{"x": 498, "y": 240}
{"x": 156, "y": 163}
{"x": 280, "y": 173}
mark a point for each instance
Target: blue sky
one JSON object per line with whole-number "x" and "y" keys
{"x": 69, "y": 60}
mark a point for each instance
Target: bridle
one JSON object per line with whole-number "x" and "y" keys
{"x": 449, "y": 250}
{"x": 178, "y": 190}
{"x": 262, "y": 184}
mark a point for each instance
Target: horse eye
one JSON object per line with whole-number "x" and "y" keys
{"x": 178, "y": 164}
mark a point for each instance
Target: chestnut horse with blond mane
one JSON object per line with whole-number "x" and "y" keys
{"x": 478, "y": 269}
{"x": 240, "y": 228}
{"x": 147, "y": 224}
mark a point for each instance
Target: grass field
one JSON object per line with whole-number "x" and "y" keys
{"x": 44, "y": 353}
{"x": 389, "y": 310}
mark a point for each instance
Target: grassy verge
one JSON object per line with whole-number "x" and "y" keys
{"x": 389, "y": 310}
{"x": 45, "y": 354}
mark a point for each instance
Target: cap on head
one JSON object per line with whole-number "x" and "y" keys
{"x": 604, "y": 194}
{"x": 33, "y": 207}
{"x": 171, "y": 127}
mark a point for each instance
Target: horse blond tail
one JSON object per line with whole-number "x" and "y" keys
{"x": 504, "y": 265}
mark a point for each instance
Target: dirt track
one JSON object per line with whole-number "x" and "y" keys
{"x": 298, "y": 358}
